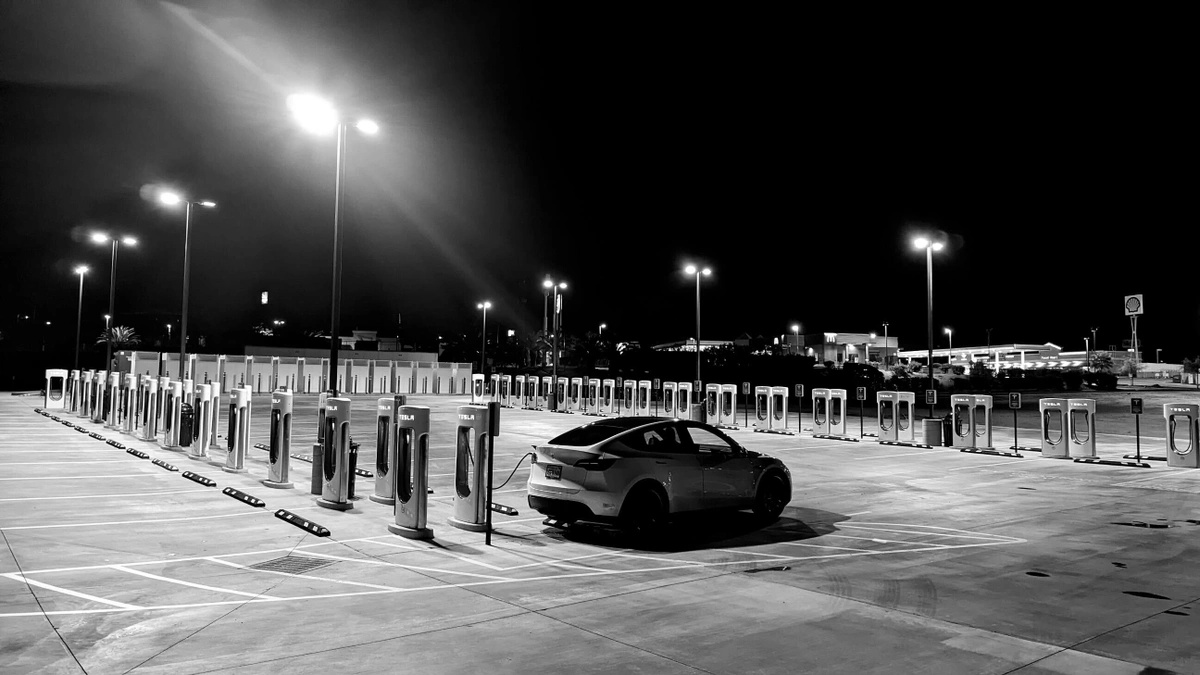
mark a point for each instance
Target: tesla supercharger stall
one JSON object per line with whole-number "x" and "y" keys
{"x": 762, "y": 406}
{"x": 506, "y": 400}
{"x": 642, "y": 402}
{"x": 608, "y": 392}
{"x": 1081, "y": 427}
{"x": 576, "y": 402}
{"x": 477, "y": 391}
{"x": 335, "y": 459}
{"x": 318, "y": 449}
{"x": 171, "y": 414}
{"x": 85, "y": 393}
{"x": 112, "y": 400}
{"x": 139, "y": 418}
{"x": 560, "y": 395}
{"x": 1185, "y": 418}
{"x": 518, "y": 391}
{"x": 727, "y": 407}
{"x": 72, "y": 403}
{"x": 1053, "y": 417}
{"x": 779, "y": 409}
{"x": 280, "y": 449}
{"x": 685, "y": 396}
{"x": 712, "y": 403}
{"x": 99, "y": 394}
{"x": 214, "y": 412}
{"x": 837, "y": 412}
{"x": 160, "y": 407}
{"x": 149, "y": 409}
{"x": 56, "y": 390}
{"x": 128, "y": 403}
{"x": 670, "y": 395}
{"x": 239, "y": 430}
{"x": 531, "y": 393}
{"x": 411, "y": 473}
{"x": 201, "y": 418}
{"x": 962, "y": 421}
{"x": 820, "y": 411}
{"x": 905, "y": 405}
{"x": 494, "y": 391}
{"x": 886, "y": 404}
{"x": 386, "y": 410}
{"x": 628, "y": 392}
{"x": 547, "y": 383}
{"x": 981, "y": 419}
{"x": 472, "y": 457}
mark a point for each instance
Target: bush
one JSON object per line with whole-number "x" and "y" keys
{"x": 1072, "y": 379}
{"x": 1105, "y": 381}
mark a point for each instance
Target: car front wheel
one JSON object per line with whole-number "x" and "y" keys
{"x": 774, "y": 493}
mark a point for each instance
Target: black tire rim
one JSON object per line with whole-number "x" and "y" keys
{"x": 648, "y": 513}
{"x": 773, "y": 499}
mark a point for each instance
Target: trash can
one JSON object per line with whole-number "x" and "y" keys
{"x": 932, "y": 431}
{"x": 186, "y": 424}
{"x": 698, "y": 413}
{"x": 353, "y": 455}
{"x": 948, "y": 430}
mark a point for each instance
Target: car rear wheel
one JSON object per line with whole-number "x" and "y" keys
{"x": 644, "y": 513}
{"x": 774, "y": 493}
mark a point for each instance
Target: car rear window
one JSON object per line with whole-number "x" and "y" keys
{"x": 589, "y": 434}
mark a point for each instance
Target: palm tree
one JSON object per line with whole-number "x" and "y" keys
{"x": 122, "y": 337}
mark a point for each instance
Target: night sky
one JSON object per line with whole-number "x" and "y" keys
{"x": 794, "y": 151}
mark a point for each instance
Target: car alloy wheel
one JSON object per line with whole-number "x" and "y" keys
{"x": 644, "y": 514}
{"x": 773, "y": 495}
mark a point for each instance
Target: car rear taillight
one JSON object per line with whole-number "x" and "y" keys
{"x": 595, "y": 464}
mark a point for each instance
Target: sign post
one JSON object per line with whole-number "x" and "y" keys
{"x": 745, "y": 404}
{"x": 799, "y": 407}
{"x": 861, "y": 393}
{"x": 658, "y": 388}
{"x": 1133, "y": 309}
{"x": 1014, "y": 402}
{"x": 1135, "y": 407}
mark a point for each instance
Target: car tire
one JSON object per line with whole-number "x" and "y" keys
{"x": 773, "y": 495}
{"x": 644, "y": 514}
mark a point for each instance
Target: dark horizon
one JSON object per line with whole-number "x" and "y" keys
{"x": 607, "y": 150}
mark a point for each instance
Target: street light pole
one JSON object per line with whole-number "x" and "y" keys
{"x": 930, "y": 247}
{"x": 692, "y": 269}
{"x": 950, "y": 332}
{"x": 109, "y": 319}
{"x": 1087, "y": 348}
{"x": 81, "y": 270}
{"x": 796, "y": 333}
{"x": 172, "y": 199}
{"x": 483, "y": 347}
{"x": 319, "y": 116}
{"x": 886, "y": 357}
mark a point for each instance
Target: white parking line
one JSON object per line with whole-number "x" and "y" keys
{"x": 877, "y": 541}
{"x": 147, "y": 520}
{"x": 128, "y": 494}
{"x": 1156, "y": 476}
{"x": 838, "y": 548}
{"x": 976, "y": 466}
{"x": 907, "y": 454}
{"x": 189, "y": 583}
{"x": 120, "y": 475}
{"x": 87, "y": 461}
{"x": 398, "y": 565}
{"x": 345, "y": 582}
{"x": 17, "y": 576}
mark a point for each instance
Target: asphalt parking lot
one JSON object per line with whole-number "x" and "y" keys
{"x": 888, "y": 560}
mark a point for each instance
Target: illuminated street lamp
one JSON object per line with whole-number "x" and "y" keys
{"x": 929, "y": 246}
{"x": 796, "y": 332}
{"x": 168, "y": 198}
{"x": 483, "y": 347}
{"x": 318, "y": 116}
{"x": 80, "y": 270}
{"x": 692, "y": 269}
{"x": 549, "y": 285}
{"x": 1158, "y": 354}
{"x": 867, "y": 355}
{"x": 886, "y": 356}
{"x": 602, "y": 327}
{"x": 950, "y": 332}
{"x": 100, "y": 238}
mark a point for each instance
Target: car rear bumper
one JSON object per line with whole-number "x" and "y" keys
{"x": 567, "y": 509}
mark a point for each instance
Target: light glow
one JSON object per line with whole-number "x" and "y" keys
{"x": 368, "y": 127}
{"x": 208, "y": 204}
{"x": 484, "y": 305}
{"x": 169, "y": 198}
{"x": 82, "y": 269}
{"x": 99, "y": 237}
{"x": 313, "y": 113}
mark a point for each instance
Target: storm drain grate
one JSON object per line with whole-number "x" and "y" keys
{"x": 292, "y": 564}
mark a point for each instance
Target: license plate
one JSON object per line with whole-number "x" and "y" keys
{"x": 554, "y": 472}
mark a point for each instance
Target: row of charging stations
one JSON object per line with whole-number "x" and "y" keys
{"x": 771, "y": 410}
{"x": 829, "y": 411}
{"x": 720, "y": 405}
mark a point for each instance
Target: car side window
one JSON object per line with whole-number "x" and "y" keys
{"x": 703, "y": 440}
{"x": 662, "y": 438}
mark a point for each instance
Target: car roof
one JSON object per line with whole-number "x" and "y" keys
{"x": 631, "y": 422}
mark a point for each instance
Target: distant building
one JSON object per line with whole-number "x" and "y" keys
{"x": 843, "y": 347}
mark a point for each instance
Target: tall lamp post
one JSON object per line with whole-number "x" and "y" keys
{"x": 1087, "y": 349}
{"x": 886, "y": 358}
{"x": 319, "y": 116}
{"x": 549, "y": 285}
{"x": 602, "y": 327}
{"x": 483, "y": 347}
{"x": 174, "y": 199}
{"x": 867, "y": 349}
{"x": 950, "y": 332}
{"x": 80, "y": 270}
{"x": 796, "y": 334}
{"x": 692, "y": 269}
{"x": 1158, "y": 355}
{"x": 109, "y": 319}
{"x": 930, "y": 247}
